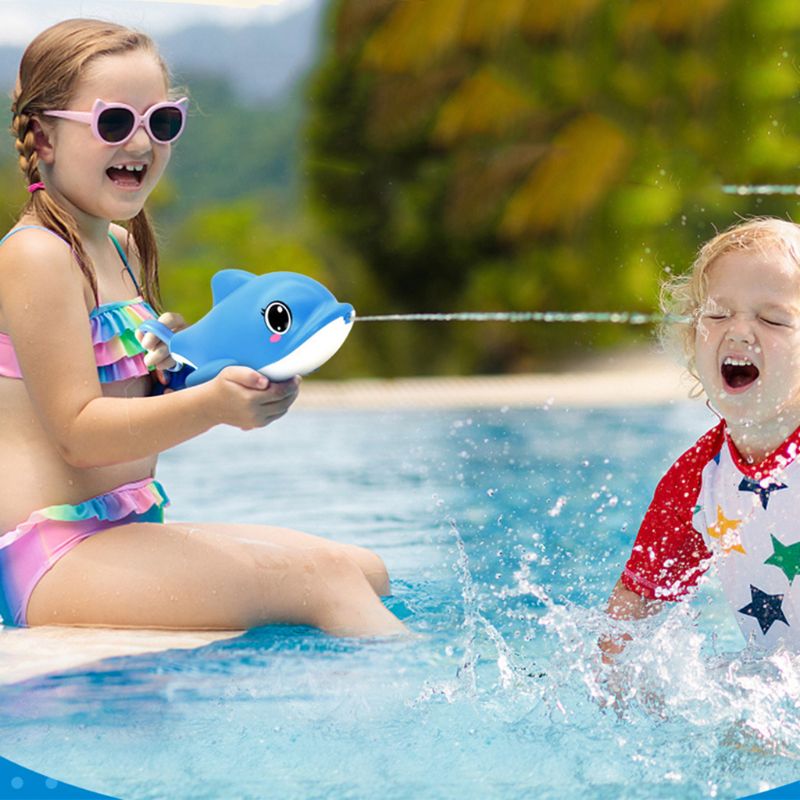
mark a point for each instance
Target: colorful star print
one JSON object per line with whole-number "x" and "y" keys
{"x": 786, "y": 557}
{"x": 766, "y": 608}
{"x": 725, "y": 530}
{"x": 749, "y": 485}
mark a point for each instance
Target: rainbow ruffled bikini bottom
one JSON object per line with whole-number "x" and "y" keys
{"x": 34, "y": 546}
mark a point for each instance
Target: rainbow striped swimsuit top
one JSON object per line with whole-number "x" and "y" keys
{"x": 117, "y": 351}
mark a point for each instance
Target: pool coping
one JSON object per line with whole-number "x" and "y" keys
{"x": 622, "y": 379}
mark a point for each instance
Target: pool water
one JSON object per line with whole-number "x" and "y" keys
{"x": 504, "y": 532}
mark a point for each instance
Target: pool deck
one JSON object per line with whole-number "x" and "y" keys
{"x": 30, "y": 652}
{"x": 624, "y": 378}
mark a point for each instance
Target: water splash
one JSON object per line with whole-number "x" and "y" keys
{"x": 740, "y": 703}
{"x": 515, "y": 674}
{"x": 671, "y": 680}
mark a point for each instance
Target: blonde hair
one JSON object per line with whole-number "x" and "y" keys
{"x": 684, "y": 295}
{"x": 49, "y": 72}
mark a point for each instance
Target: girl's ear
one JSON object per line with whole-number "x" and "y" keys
{"x": 42, "y": 143}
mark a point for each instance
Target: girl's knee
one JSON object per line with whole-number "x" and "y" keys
{"x": 332, "y": 563}
{"x": 338, "y": 571}
{"x": 371, "y": 564}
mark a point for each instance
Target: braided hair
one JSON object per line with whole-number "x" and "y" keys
{"x": 49, "y": 72}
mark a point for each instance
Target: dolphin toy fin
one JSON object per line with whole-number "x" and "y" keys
{"x": 228, "y": 281}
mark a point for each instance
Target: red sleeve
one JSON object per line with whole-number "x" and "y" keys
{"x": 669, "y": 555}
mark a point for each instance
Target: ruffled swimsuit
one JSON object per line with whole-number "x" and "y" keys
{"x": 34, "y": 546}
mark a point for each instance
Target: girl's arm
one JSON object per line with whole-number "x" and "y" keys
{"x": 44, "y": 302}
{"x": 625, "y": 604}
{"x": 669, "y": 553}
{"x": 111, "y": 430}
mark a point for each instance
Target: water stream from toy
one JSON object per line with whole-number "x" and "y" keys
{"x": 616, "y": 317}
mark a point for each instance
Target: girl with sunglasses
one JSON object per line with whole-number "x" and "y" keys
{"x": 82, "y": 534}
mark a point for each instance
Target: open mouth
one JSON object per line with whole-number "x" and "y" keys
{"x": 128, "y": 176}
{"x": 738, "y": 373}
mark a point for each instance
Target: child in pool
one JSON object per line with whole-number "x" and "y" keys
{"x": 85, "y": 542}
{"x": 733, "y": 498}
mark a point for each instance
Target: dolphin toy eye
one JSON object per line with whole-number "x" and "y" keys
{"x": 278, "y": 317}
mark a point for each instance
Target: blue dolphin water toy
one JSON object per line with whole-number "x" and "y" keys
{"x": 281, "y": 324}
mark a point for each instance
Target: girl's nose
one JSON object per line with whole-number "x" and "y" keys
{"x": 740, "y": 330}
{"x": 139, "y": 142}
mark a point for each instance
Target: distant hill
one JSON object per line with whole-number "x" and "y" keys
{"x": 262, "y": 62}
{"x": 9, "y": 61}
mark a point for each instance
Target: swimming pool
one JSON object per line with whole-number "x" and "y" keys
{"x": 504, "y": 532}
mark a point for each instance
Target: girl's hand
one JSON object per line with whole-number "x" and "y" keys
{"x": 244, "y": 398}
{"x": 157, "y": 352}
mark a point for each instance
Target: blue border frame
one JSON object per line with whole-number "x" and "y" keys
{"x": 17, "y": 781}
{"x": 789, "y": 792}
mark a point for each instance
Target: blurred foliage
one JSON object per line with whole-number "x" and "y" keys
{"x": 485, "y": 155}
{"x": 12, "y": 190}
{"x": 231, "y": 149}
{"x": 519, "y": 155}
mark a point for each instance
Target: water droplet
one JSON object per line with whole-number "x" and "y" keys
{"x": 556, "y": 509}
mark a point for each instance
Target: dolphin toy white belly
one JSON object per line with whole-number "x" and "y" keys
{"x": 282, "y": 324}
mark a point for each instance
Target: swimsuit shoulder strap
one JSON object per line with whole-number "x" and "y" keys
{"x": 111, "y": 236}
{"x": 124, "y": 260}
{"x": 29, "y": 227}
{"x": 119, "y": 248}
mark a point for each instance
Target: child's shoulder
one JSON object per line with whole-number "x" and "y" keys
{"x": 31, "y": 235}
{"x": 36, "y": 262}
{"x": 708, "y": 445}
{"x": 30, "y": 248}
{"x": 689, "y": 466}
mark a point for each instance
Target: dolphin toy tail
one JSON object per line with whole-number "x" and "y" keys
{"x": 176, "y": 376}
{"x": 158, "y": 329}
{"x": 162, "y": 332}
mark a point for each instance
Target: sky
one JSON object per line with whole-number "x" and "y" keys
{"x": 20, "y": 21}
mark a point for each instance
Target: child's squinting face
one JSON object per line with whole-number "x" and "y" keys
{"x": 747, "y": 342}
{"x": 101, "y": 180}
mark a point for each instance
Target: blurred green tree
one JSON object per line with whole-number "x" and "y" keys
{"x": 515, "y": 154}
{"x": 12, "y": 192}
{"x": 233, "y": 149}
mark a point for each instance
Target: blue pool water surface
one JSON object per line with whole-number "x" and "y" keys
{"x": 504, "y": 532}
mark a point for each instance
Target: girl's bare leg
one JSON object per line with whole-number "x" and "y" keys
{"x": 371, "y": 564}
{"x": 209, "y": 577}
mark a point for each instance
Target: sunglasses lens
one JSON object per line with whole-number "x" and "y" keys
{"x": 114, "y": 124}
{"x": 166, "y": 123}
